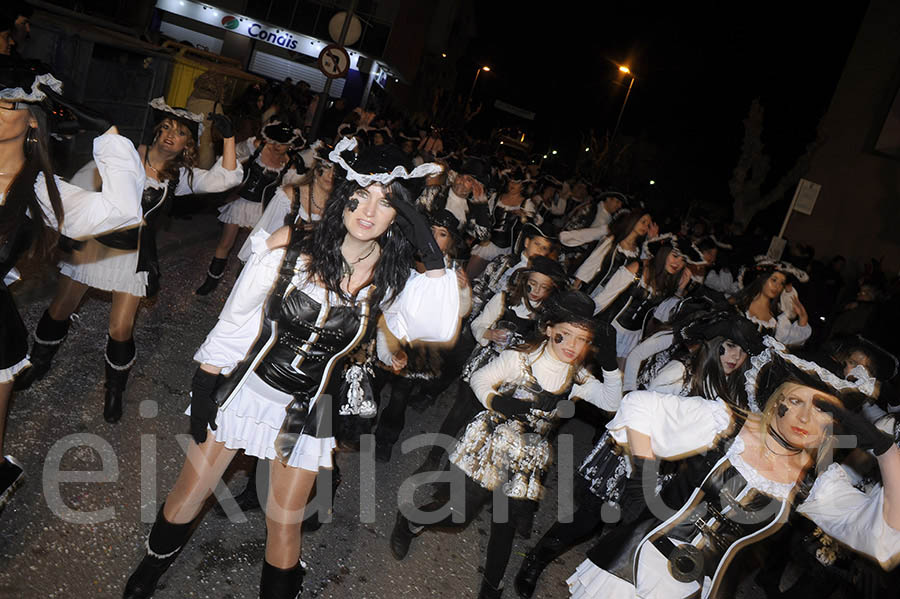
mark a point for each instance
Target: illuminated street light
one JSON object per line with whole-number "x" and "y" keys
{"x": 652, "y": 182}
{"x": 553, "y": 152}
{"x": 486, "y": 69}
{"x": 443, "y": 55}
{"x": 587, "y": 149}
{"x": 622, "y": 69}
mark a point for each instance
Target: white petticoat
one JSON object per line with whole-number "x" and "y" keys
{"x": 626, "y": 340}
{"x": 488, "y": 251}
{"x": 103, "y": 267}
{"x": 591, "y": 582}
{"x": 251, "y": 422}
{"x": 8, "y": 374}
{"x": 241, "y": 212}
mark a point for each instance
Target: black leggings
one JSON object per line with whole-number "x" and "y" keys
{"x": 500, "y": 542}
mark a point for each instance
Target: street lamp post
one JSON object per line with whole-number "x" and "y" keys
{"x": 627, "y": 71}
{"x": 471, "y": 91}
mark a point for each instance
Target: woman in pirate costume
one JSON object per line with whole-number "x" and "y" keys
{"x": 268, "y": 162}
{"x": 760, "y": 300}
{"x": 507, "y": 445}
{"x": 712, "y": 374}
{"x": 508, "y": 209}
{"x": 756, "y": 469}
{"x": 35, "y": 205}
{"x": 638, "y": 288}
{"x": 302, "y": 203}
{"x": 281, "y": 355}
{"x": 623, "y": 245}
{"x": 126, "y": 262}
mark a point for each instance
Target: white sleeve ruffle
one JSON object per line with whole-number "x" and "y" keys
{"x": 606, "y": 395}
{"x": 489, "y": 315}
{"x": 622, "y": 280}
{"x": 582, "y": 236}
{"x": 650, "y": 346}
{"x": 271, "y": 220}
{"x": 117, "y": 206}
{"x": 485, "y": 380}
{"x": 426, "y": 309}
{"x": 241, "y": 319}
{"x": 851, "y": 516}
{"x": 677, "y": 426}
{"x": 670, "y": 379}
{"x": 214, "y": 180}
{"x": 791, "y": 333}
{"x": 594, "y": 261}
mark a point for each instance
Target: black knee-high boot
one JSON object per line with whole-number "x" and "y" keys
{"x": 213, "y": 276}
{"x": 165, "y": 542}
{"x": 276, "y": 583}
{"x": 48, "y": 338}
{"x": 119, "y": 360}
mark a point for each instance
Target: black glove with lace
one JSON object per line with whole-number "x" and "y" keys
{"x": 88, "y": 119}
{"x": 867, "y": 435}
{"x": 417, "y": 230}
{"x": 203, "y": 406}
{"x": 222, "y": 124}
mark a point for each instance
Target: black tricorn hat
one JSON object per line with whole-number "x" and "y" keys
{"x": 545, "y": 229}
{"x": 545, "y": 266}
{"x": 572, "y": 306}
{"x": 476, "y": 167}
{"x": 775, "y": 365}
{"x": 884, "y": 363}
{"x": 191, "y": 120}
{"x": 445, "y": 218}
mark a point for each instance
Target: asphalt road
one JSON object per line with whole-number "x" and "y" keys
{"x": 77, "y": 526}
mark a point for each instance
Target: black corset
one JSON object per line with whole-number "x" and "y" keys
{"x": 296, "y": 362}
{"x": 153, "y": 202}
{"x": 259, "y": 184}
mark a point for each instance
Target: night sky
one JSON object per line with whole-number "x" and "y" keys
{"x": 697, "y": 72}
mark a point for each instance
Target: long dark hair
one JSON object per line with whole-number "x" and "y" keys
{"x": 22, "y": 199}
{"x": 663, "y": 283}
{"x": 710, "y": 381}
{"x": 323, "y": 246}
{"x": 519, "y": 291}
{"x": 187, "y": 158}
{"x": 621, "y": 227}
{"x": 744, "y": 297}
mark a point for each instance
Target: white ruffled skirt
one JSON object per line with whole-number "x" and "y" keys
{"x": 103, "y": 267}
{"x": 241, "y": 212}
{"x": 251, "y": 422}
{"x": 488, "y": 251}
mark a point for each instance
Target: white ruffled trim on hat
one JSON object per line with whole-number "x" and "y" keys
{"x": 17, "y": 94}
{"x": 864, "y": 383}
{"x": 777, "y": 266}
{"x": 673, "y": 241}
{"x": 399, "y": 172}
{"x": 160, "y": 104}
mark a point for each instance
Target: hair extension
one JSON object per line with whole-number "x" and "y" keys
{"x": 22, "y": 199}
{"x": 745, "y": 297}
{"x": 664, "y": 283}
{"x": 710, "y": 381}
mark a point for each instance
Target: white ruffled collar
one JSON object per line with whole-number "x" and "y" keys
{"x": 752, "y": 475}
{"x": 766, "y": 324}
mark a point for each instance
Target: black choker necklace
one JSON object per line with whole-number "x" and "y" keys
{"x": 783, "y": 442}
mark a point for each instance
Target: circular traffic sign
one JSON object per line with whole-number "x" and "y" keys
{"x": 334, "y": 62}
